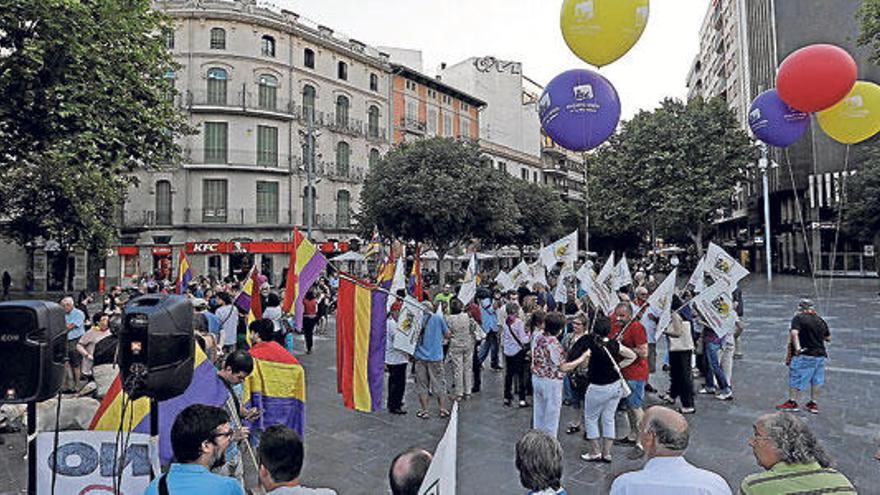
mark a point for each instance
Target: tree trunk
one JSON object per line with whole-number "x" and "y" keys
{"x": 441, "y": 271}
{"x": 877, "y": 252}
{"x": 65, "y": 256}
{"x": 697, "y": 237}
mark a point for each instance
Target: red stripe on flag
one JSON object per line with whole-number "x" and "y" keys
{"x": 114, "y": 390}
{"x": 290, "y": 283}
{"x": 345, "y": 342}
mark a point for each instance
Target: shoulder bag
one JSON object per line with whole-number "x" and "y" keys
{"x": 624, "y": 387}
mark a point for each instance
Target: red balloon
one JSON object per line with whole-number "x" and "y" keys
{"x": 816, "y": 77}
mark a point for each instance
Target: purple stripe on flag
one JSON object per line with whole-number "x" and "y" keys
{"x": 376, "y": 356}
{"x": 205, "y": 388}
{"x": 243, "y": 302}
{"x": 285, "y": 411}
{"x": 307, "y": 278}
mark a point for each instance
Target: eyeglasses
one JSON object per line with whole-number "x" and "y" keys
{"x": 227, "y": 434}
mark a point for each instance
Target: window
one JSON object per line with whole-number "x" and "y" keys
{"x": 169, "y": 88}
{"x": 342, "y": 71}
{"x": 309, "y": 58}
{"x": 432, "y": 94}
{"x": 464, "y": 126}
{"x": 411, "y": 85}
{"x": 502, "y": 166}
{"x": 308, "y": 204}
{"x": 373, "y": 122}
{"x": 524, "y": 174}
{"x": 163, "y": 202}
{"x": 217, "y": 86}
{"x": 343, "y": 217}
{"x": 412, "y": 109}
{"x": 267, "y": 92}
{"x": 214, "y": 200}
{"x": 216, "y": 134}
{"x": 447, "y": 124}
{"x": 342, "y": 111}
{"x": 218, "y": 39}
{"x": 267, "y": 46}
{"x": 308, "y": 102}
{"x": 342, "y": 154}
{"x": 374, "y": 157}
{"x": 464, "y": 107}
{"x": 267, "y": 146}
{"x": 168, "y": 33}
{"x": 432, "y": 122}
{"x": 267, "y": 202}
{"x": 374, "y": 82}
{"x": 535, "y": 176}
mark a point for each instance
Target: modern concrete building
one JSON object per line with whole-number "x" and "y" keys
{"x": 253, "y": 81}
{"x": 756, "y": 36}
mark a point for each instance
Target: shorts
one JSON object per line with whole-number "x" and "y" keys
{"x": 637, "y": 394}
{"x": 430, "y": 377}
{"x": 805, "y": 371}
{"x": 73, "y": 356}
{"x": 652, "y": 357}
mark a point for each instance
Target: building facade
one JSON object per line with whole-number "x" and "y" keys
{"x": 806, "y": 180}
{"x": 255, "y": 82}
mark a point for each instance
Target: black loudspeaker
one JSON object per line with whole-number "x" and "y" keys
{"x": 33, "y": 346}
{"x": 156, "y": 346}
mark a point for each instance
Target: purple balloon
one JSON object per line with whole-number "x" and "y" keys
{"x": 579, "y": 109}
{"x": 774, "y": 122}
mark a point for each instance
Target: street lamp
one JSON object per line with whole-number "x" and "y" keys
{"x": 763, "y": 164}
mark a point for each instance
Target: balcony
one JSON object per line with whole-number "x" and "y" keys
{"x": 413, "y": 125}
{"x": 143, "y": 219}
{"x": 241, "y": 217}
{"x": 376, "y": 134}
{"x": 238, "y": 158}
{"x": 331, "y": 171}
{"x": 241, "y": 102}
{"x": 349, "y": 127}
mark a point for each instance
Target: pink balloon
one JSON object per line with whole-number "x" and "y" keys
{"x": 816, "y": 77}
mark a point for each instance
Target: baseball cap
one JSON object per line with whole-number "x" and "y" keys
{"x": 805, "y": 304}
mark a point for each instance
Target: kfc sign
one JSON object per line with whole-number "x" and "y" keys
{"x": 205, "y": 247}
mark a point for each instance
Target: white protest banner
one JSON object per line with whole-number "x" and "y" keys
{"x": 585, "y": 273}
{"x": 564, "y": 250}
{"x": 86, "y": 459}
{"x": 440, "y": 478}
{"x": 600, "y": 294}
{"x": 505, "y": 281}
{"x": 469, "y": 287}
{"x": 621, "y": 276}
{"x": 561, "y": 293}
{"x": 537, "y": 274}
{"x": 722, "y": 266}
{"x": 661, "y": 302}
{"x": 519, "y": 274}
{"x": 409, "y": 325}
{"x": 715, "y": 305}
{"x": 399, "y": 280}
{"x": 697, "y": 280}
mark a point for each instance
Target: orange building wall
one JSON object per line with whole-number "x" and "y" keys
{"x": 398, "y": 88}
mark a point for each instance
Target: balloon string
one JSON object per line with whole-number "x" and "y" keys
{"x": 841, "y": 202}
{"x": 800, "y": 218}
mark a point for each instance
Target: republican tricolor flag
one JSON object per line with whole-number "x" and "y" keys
{"x": 306, "y": 265}
{"x": 360, "y": 344}
{"x": 184, "y": 273}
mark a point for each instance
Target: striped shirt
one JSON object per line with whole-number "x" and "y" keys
{"x": 797, "y": 479}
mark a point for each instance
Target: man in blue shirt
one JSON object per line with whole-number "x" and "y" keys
{"x": 75, "y": 321}
{"x": 429, "y": 371}
{"x": 199, "y": 438}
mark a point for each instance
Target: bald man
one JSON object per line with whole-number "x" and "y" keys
{"x": 408, "y": 470}
{"x": 664, "y": 436}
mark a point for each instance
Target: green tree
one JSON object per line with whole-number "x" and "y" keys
{"x": 671, "y": 170}
{"x": 85, "y": 102}
{"x": 439, "y": 192}
{"x": 869, "y": 18}
{"x": 862, "y": 211}
{"x": 541, "y": 214}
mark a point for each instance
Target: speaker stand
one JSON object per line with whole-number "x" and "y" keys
{"x": 32, "y": 447}
{"x": 154, "y": 433}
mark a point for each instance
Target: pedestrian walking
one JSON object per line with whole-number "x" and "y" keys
{"x": 681, "y": 350}
{"x": 7, "y": 283}
{"x": 806, "y": 357}
{"x": 310, "y": 319}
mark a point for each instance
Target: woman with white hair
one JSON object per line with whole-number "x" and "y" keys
{"x": 539, "y": 460}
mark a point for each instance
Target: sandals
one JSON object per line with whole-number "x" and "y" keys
{"x": 444, "y": 413}
{"x": 423, "y": 414}
{"x": 591, "y": 458}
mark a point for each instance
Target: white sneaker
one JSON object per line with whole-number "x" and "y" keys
{"x": 725, "y": 396}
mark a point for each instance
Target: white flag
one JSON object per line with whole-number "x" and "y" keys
{"x": 622, "y": 276}
{"x": 606, "y": 273}
{"x": 537, "y": 274}
{"x": 585, "y": 273}
{"x": 661, "y": 302}
{"x": 469, "y": 287}
{"x": 561, "y": 294}
{"x": 505, "y": 281}
{"x": 697, "y": 280}
{"x": 564, "y": 250}
{"x": 715, "y": 305}
{"x": 600, "y": 294}
{"x": 399, "y": 280}
{"x": 519, "y": 274}
{"x": 440, "y": 478}
{"x": 722, "y": 266}
{"x": 409, "y": 325}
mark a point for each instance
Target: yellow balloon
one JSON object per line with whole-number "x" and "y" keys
{"x": 854, "y": 118}
{"x": 602, "y": 31}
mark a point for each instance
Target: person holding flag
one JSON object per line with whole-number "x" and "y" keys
{"x": 184, "y": 274}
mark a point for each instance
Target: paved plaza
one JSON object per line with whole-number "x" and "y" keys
{"x": 351, "y": 451}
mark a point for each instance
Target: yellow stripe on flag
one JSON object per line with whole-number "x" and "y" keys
{"x": 361, "y": 388}
{"x": 273, "y": 379}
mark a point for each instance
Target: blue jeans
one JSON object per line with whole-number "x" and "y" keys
{"x": 715, "y": 371}
{"x": 490, "y": 345}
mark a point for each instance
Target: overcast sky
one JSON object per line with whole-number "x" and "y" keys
{"x": 522, "y": 30}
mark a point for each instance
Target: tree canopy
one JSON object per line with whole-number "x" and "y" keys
{"x": 85, "y": 101}
{"x": 869, "y": 17}
{"x": 862, "y": 207}
{"x": 671, "y": 169}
